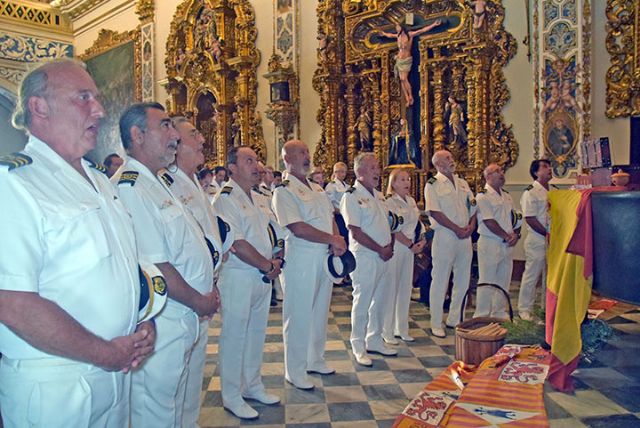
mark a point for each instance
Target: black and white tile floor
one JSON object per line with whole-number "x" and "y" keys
{"x": 607, "y": 394}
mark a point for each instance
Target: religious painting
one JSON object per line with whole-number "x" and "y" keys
{"x": 114, "y": 63}
{"x": 279, "y": 92}
{"x": 560, "y": 139}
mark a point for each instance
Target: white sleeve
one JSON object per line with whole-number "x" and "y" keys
{"x": 431, "y": 201}
{"x": 528, "y": 204}
{"x": 484, "y": 207}
{"x": 285, "y": 207}
{"x": 147, "y": 223}
{"x": 230, "y": 213}
{"x": 350, "y": 210}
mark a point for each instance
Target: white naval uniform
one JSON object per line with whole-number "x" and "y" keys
{"x": 448, "y": 251}
{"x": 396, "y": 321}
{"x": 533, "y": 204}
{"x": 307, "y": 287}
{"x": 495, "y": 258}
{"x": 72, "y": 243}
{"x": 195, "y": 200}
{"x": 245, "y": 298}
{"x": 166, "y": 233}
{"x": 262, "y": 198}
{"x": 372, "y": 276}
{"x": 335, "y": 190}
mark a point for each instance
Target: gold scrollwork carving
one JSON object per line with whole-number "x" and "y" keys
{"x": 623, "y": 45}
{"x": 461, "y": 66}
{"x": 211, "y": 65}
{"x": 145, "y": 10}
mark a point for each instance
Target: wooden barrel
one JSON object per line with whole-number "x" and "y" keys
{"x": 473, "y": 349}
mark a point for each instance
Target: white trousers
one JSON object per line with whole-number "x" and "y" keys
{"x": 245, "y": 312}
{"x": 307, "y": 295}
{"x": 495, "y": 263}
{"x": 534, "y": 267}
{"x": 158, "y": 387}
{"x": 396, "y": 314}
{"x": 449, "y": 253}
{"x": 56, "y": 392}
{"x": 195, "y": 374}
{"x": 370, "y": 293}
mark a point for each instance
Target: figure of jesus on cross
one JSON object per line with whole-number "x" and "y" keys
{"x": 404, "y": 60}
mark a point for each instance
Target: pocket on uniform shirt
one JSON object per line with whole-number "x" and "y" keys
{"x": 78, "y": 233}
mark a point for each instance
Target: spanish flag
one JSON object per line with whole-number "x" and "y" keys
{"x": 568, "y": 282}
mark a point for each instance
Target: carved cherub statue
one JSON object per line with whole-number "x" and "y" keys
{"x": 216, "y": 49}
{"x": 322, "y": 46}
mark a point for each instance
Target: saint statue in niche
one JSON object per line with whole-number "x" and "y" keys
{"x": 403, "y": 151}
{"x": 363, "y": 125}
{"x": 457, "y": 131}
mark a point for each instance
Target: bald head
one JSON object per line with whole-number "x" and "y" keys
{"x": 494, "y": 176}
{"x": 295, "y": 155}
{"x": 444, "y": 162}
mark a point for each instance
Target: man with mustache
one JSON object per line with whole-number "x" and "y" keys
{"x": 68, "y": 265}
{"x": 495, "y": 245}
{"x": 183, "y": 183}
{"x": 452, "y": 212}
{"x": 245, "y": 285}
{"x": 305, "y": 209}
{"x": 170, "y": 237}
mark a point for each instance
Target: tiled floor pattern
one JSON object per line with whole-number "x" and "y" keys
{"x": 607, "y": 394}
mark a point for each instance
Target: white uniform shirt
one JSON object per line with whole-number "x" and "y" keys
{"x": 335, "y": 190}
{"x": 68, "y": 241}
{"x": 166, "y": 232}
{"x": 370, "y": 213}
{"x": 247, "y": 221}
{"x": 456, "y": 202}
{"x": 295, "y": 202}
{"x": 492, "y": 205}
{"x": 263, "y": 201}
{"x": 534, "y": 204}
{"x": 194, "y": 199}
{"x": 409, "y": 212}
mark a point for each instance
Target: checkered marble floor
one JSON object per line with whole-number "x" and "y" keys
{"x": 607, "y": 394}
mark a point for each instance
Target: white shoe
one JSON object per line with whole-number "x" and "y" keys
{"x": 526, "y": 315}
{"x": 362, "y": 359}
{"x": 323, "y": 370}
{"x": 407, "y": 338}
{"x": 438, "y": 332}
{"x": 263, "y": 397}
{"x": 383, "y": 350}
{"x": 390, "y": 341}
{"x": 242, "y": 410}
{"x": 305, "y": 385}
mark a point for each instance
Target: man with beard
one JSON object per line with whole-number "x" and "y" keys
{"x": 245, "y": 286}
{"x": 534, "y": 210}
{"x": 170, "y": 237}
{"x": 452, "y": 208}
{"x": 184, "y": 185}
{"x": 495, "y": 245}
{"x": 68, "y": 265}
{"x": 305, "y": 209}
{"x": 366, "y": 215}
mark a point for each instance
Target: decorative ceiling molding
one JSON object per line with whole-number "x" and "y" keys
{"x": 74, "y": 9}
{"x": 33, "y": 15}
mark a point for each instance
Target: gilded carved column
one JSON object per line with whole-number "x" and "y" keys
{"x": 439, "y": 135}
{"x": 352, "y": 115}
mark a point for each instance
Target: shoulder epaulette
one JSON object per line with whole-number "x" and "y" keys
{"x": 15, "y": 160}
{"x": 128, "y": 177}
{"x": 505, "y": 191}
{"x": 258, "y": 190}
{"x": 226, "y": 190}
{"x": 554, "y": 186}
{"x": 432, "y": 180}
{"x": 351, "y": 189}
{"x": 167, "y": 178}
{"x": 529, "y": 187}
{"x": 284, "y": 183}
{"x": 98, "y": 166}
{"x": 389, "y": 196}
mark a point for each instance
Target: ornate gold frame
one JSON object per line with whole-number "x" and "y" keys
{"x": 623, "y": 45}
{"x": 194, "y": 68}
{"x": 463, "y": 62}
{"x": 108, "y": 40}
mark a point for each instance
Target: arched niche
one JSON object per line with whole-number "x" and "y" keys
{"x": 212, "y": 58}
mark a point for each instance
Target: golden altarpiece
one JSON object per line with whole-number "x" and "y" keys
{"x": 457, "y": 81}
{"x": 211, "y": 64}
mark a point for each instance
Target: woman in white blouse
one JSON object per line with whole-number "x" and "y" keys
{"x": 408, "y": 242}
